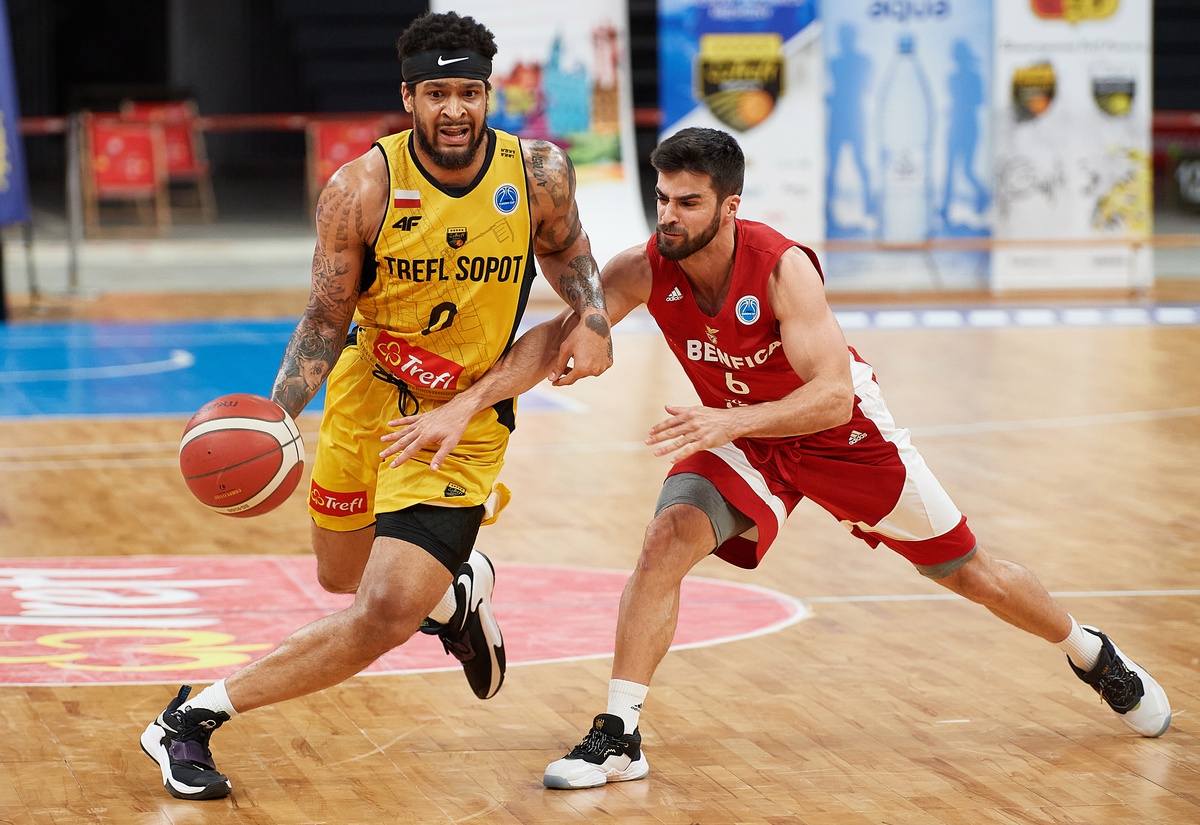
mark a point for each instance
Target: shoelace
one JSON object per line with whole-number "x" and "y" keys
{"x": 597, "y": 742}
{"x": 406, "y": 397}
{"x": 1119, "y": 686}
{"x": 189, "y": 731}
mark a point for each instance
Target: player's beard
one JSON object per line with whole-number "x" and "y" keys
{"x": 460, "y": 157}
{"x": 675, "y": 248}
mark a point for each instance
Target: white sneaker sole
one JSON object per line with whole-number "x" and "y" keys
{"x": 482, "y": 584}
{"x": 575, "y": 774}
{"x": 1152, "y": 716}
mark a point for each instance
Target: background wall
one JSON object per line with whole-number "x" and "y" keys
{"x": 313, "y": 55}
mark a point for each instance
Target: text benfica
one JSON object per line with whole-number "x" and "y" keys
{"x": 504, "y": 269}
{"x": 704, "y": 351}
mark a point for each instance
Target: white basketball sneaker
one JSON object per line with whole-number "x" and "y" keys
{"x": 606, "y": 754}
{"x": 1127, "y": 688}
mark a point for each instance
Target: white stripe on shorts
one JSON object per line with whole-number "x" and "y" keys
{"x": 737, "y": 461}
{"x": 924, "y": 510}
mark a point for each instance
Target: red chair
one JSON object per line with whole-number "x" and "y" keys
{"x": 187, "y": 161}
{"x": 123, "y": 163}
{"x": 332, "y": 143}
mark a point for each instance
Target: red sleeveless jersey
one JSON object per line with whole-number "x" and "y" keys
{"x": 735, "y": 357}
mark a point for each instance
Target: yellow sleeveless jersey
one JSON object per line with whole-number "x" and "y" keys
{"x": 451, "y": 272}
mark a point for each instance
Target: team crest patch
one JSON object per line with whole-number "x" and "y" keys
{"x": 506, "y": 199}
{"x": 710, "y": 334}
{"x": 456, "y": 237}
{"x": 747, "y": 309}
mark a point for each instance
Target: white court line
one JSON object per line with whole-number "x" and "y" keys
{"x": 94, "y": 449}
{"x": 944, "y": 597}
{"x": 180, "y": 359}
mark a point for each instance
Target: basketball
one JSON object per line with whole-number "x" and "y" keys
{"x": 241, "y": 455}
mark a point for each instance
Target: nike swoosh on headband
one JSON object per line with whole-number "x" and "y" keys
{"x": 444, "y": 62}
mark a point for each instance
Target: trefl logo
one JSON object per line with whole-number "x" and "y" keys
{"x": 415, "y": 365}
{"x": 337, "y": 503}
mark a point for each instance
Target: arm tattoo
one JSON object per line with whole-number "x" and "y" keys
{"x": 580, "y": 285}
{"x": 537, "y": 162}
{"x": 318, "y": 339}
{"x": 306, "y": 362}
{"x": 598, "y": 325}
{"x": 554, "y": 178}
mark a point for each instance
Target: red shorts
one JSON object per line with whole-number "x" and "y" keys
{"x": 865, "y": 473}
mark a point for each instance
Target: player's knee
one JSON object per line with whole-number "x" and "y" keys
{"x": 379, "y": 624}
{"x": 337, "y": 579}
{"x": 341, "y": 557}
{"x": 675, "y": 539}
{"x": 980, "y": 580}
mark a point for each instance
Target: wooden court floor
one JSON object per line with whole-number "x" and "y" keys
{"x": 1073, "y": 451}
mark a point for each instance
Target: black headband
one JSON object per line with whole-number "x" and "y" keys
{"x": 435, "y": 65}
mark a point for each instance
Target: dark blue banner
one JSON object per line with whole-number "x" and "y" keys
{"x": 14, "y": 186}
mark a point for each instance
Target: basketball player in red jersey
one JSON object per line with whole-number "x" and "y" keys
{"x": 426, "y": 243}
{"x": 789, "y": 411}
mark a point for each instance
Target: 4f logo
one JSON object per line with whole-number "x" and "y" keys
{"x": 407, "y": 223}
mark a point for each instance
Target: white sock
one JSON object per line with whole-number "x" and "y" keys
{"x": 214, "y": 697}
{"x": 625, "y": 700}
{"x": 444, "y": 611}
{"x": 1082, "y": 647}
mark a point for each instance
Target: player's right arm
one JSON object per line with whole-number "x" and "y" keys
{"x": 544, "y": 350}
{"x": 349, "y": 212}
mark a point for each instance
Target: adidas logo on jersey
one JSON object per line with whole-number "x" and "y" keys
{"x": 675, "y": 295}
{"x": 856, "y": 436}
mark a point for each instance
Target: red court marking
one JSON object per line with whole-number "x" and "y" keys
{"x": 148, "y": 619}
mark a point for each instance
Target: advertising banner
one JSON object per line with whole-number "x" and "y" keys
{"x": 907, "y": 146}
{"x": 564, "y": 77}
{"x": 752, "y": 69}
{"x": 14, "y": 185}
{"x": 1073, "y": 139}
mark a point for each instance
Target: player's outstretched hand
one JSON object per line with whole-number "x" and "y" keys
{"x": 442, "y": 426}
{"x": 688, "y": 431}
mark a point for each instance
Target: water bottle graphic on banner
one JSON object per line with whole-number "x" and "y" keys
{"x": 904, "y": 119}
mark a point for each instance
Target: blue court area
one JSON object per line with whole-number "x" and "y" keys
{"x": 129, "y": 369}
{"x": 172, "y": 368}
{"x": 136, "y": 369}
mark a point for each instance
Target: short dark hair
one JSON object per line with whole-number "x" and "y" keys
{"x": 445, "y": 31}
{"x": 705, "y": 151}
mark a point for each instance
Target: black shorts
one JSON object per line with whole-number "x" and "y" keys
{"x": 446, "y": 533}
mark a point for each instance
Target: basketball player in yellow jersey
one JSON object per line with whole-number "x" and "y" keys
{"x": 426, "y": 241}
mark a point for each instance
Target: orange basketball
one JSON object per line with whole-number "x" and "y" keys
{"x": 241, "y": 455}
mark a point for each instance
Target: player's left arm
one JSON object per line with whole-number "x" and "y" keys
{"x": 565, "y": 254}
{"x": 816, "y": 349}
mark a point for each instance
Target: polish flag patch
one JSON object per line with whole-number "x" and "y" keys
{"x": 406, "y": 199}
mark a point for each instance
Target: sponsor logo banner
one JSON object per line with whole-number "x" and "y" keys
{"x": 415, "y": 365}
{"x": 126, "y": 620}
{"x": 333, "y": 503}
